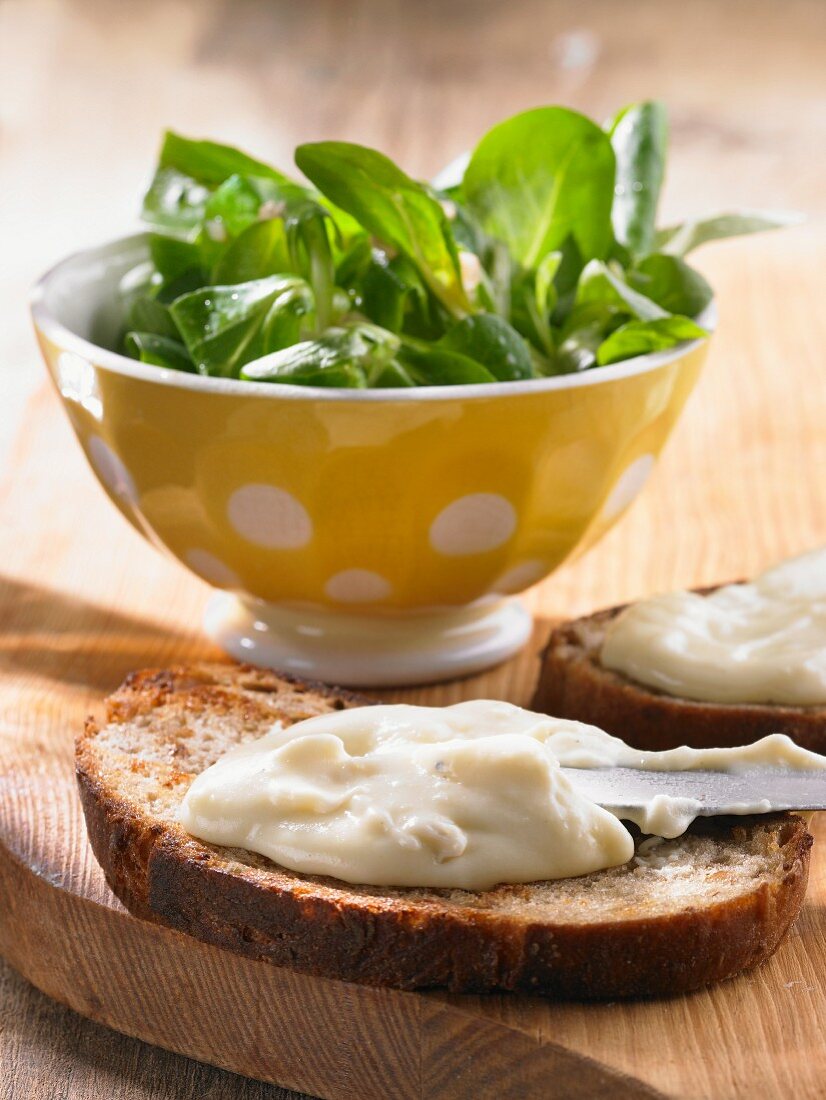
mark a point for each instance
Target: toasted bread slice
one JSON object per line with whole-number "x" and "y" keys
{"x": 573, "y": 684}
{"x": 683, "y": 913}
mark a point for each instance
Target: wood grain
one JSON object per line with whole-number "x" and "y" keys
{"x": 85, "y": 88}
{"x": 51, "y": 1052}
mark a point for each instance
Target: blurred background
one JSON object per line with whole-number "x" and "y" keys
{"x": 87, "y": 86}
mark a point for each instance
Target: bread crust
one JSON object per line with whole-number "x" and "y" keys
{"x": 573, "y": 684}
{"x": 402, "y": 938}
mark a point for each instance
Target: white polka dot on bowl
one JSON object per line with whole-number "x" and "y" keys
{"x": 521, "y": 576}
{"x": 358, "y": 586}
{"x": 270, "y": 517}
{"x": 111, "y": 470}
{"x": 629, "y": 485}
{"x": 473, "y": 524}
{"x": 210, "y": 568}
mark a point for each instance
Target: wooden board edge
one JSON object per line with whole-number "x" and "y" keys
{"x": 331, "y": 1039}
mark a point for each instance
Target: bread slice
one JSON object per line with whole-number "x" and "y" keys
{"x": 573, "y": 684}
{"x": 683, "y": 913}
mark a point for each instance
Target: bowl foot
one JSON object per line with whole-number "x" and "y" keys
{"x": 363, "y": 651}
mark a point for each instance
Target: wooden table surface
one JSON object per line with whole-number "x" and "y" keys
{"x": 86, "y": 87}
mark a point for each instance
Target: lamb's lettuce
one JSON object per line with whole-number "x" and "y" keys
{"x": 641, "y": 337}
{"x": 172, "y": 257}
{"x": 679, "y": 240}
{"x": 671, "y": 284}
{"x": 160, "y": 351}
{"x": 540, "y": 255}
{"x": 211, "y": 163}
{"x": 600, "y": 283}
{"x": 491, "y": 341}
{"x": 225, "y": 327}
{"x": 533, "y": 300}
{"x": 175, "y": 203}
{"x": 541, "y": 177}
{"x": 437, "y": 366}
{"x": 639, "y": 137}
{"x": 262, "y": 249}
{"x": 392, "y": 207}
{"x": 355, "y": 357}
{"x": 392, "y": 292}
{"x": 146, "y": 314}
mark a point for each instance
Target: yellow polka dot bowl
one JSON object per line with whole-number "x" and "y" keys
{"x": 364, "y": 537}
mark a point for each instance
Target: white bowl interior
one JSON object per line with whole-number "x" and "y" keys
{"x": 86, "y": 298}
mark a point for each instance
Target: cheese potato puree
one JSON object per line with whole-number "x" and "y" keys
{"x": 462, "y": 797}
{"x": 761, "y": 642}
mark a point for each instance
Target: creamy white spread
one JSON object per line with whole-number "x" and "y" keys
{"x": 461, "y": 797}
{"x": 762, "y": 642}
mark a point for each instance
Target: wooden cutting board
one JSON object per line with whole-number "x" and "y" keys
{"x": 83, "y": 601}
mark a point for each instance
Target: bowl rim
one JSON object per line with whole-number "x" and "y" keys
{"x": 63, "y": 337}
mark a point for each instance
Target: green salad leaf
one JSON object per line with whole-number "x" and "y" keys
{"x": 173, "y": 257}
{"x": 436, "y": 366}
{"x": 392, "y": 207}
{"x": 671, "y": 284}
{"x": 642, "y": 337}
{"x": 175, "y": 203}
{"x": 538, "y": 255}
{"x": 146, "y": 314}
{"x": 234, "y": 206}
{"x": 210, "y": 163}
{"x": 160, "y": 351}
{"x": 679, "y": 240}
{"x": 355, "y": 357}
{"x": 262, "y": 249}
{"x": 491, "y": 341}
{"x": 390, "y": 292}
{"x": 602, "y": 284}
{"x": 541, "y": 177}
{"x": 225, "y": 327}
{"x": 639, "y": 137}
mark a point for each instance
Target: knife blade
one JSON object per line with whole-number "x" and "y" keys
{"x": 751, "y": 791}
